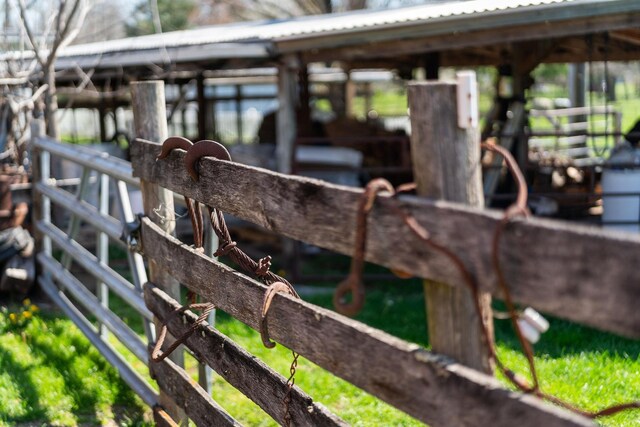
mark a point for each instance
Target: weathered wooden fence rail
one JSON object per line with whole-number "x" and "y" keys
{"x": 430, "y": 387}
{"x": 578, "y": 273}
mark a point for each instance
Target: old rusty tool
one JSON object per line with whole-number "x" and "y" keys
{"x": 353, "y": 283}
{"x": 195, "y": 212}
{"x": 204, "y": 148}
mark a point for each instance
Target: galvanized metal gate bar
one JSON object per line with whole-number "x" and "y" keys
{"x": 57, "y": 280}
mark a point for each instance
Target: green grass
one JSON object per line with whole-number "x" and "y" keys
{"x": 50, "y": 374}
{"x": 583, "y": 366}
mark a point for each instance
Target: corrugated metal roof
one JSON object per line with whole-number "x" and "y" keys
{"x": 309, "y": 26}
{"x": 262, "y": 38}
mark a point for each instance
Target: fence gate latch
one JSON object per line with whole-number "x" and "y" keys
{"x": 131, "y": 234}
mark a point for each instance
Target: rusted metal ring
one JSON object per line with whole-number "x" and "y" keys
{"x": 204, "y": 148}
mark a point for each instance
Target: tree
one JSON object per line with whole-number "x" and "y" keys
{"x": 60, "y": 28}
{"x": 156, "y": 16}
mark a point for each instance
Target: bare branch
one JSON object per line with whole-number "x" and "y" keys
{"x": 30, "y": 36}
{"x": 65, "y": 35}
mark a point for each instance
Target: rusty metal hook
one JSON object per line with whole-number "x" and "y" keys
{"x": 271, "y": 292}
{"x": 353, "y": 283}
{"x": 204, "y": 148}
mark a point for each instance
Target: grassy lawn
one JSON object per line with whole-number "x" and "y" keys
{"x": 50, "y": 374}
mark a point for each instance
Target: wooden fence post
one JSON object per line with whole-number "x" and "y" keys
{"x": 150, "y": 122}
{"x": 446, "y": 165}
{"x": 37, "y": 131}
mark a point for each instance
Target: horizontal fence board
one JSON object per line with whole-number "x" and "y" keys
{"x": 162, "y": 419}
{"x": 119, "y": 329}
{"x": 92, "y": 159}
{"x": 430, "y": 387}
{"x": 128, "y": 375}
{"x": 582, "y": 274}
{"x": 85, "y": 211}
{"x": 93, "y": 266}
{"x": 188, "y": 395}
{"x": 239, "y": 368}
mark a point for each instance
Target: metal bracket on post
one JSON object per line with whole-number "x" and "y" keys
{"x": 467, "y": 97}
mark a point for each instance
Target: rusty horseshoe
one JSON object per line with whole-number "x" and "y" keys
{"x": 195, "y": 212}
{"x": 172, "y": 143}
{"x": 202, "y": 149}
{"x": 272, "y": 290}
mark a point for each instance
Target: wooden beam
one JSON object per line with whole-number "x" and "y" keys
{"x": 241, "y": 369}
{"x": 430, "y": 387}
{"x": 560, "y": 270}
{"x": 197, "y": 404}
{"x": 446, "y": 166}
{"x": 162, "y": 419}
{"x": 414, "y": 41}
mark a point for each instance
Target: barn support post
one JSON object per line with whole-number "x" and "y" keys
{"x": 446, "y": 165}
{"x": 150, "y": 122}
{"x": 202, "y": 107}
{"x": 286, "y": 126}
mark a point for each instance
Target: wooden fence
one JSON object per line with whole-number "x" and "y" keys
{"x": 581, "y": 274}
{"x": 556, "y": 267}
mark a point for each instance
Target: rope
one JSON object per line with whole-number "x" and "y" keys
{"x": 228, "y": 247}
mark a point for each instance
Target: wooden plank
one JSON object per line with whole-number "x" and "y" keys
{"x": 556, "y": 267}
{"x": 430, "y": 387}
{"x": 446, "y": 161}
{"x": 241, "y": 369}
{"x": 187, "y": 394}
{"x": 161, "y": 418}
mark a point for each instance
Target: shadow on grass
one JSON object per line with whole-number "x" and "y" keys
{"x": 28, "y": 389}
{"x": 90, "y": 384}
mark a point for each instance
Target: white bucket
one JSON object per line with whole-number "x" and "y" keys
{"x": 621, "y": 208}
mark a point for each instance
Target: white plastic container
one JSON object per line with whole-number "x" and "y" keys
{"x": 621, "y": 208}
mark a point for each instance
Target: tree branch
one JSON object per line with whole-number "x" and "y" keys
{"x": 30, "y": 36}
